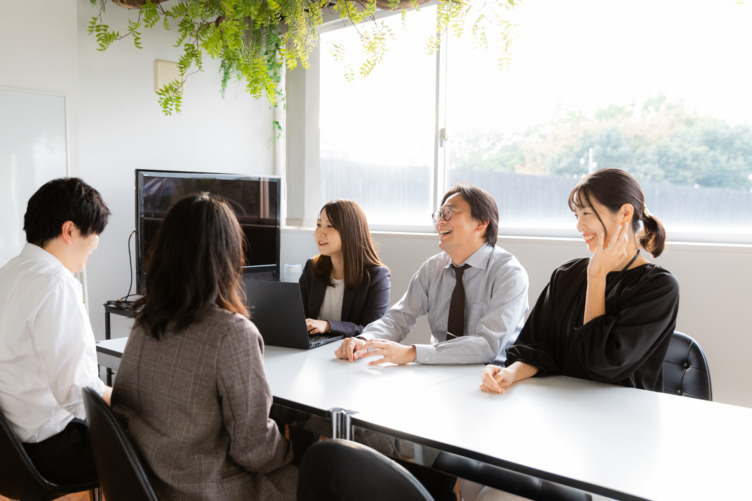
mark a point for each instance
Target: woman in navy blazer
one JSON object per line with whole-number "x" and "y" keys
{"x": 346, "y": 286}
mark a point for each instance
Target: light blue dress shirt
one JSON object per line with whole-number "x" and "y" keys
{"x": 496, "y": 302}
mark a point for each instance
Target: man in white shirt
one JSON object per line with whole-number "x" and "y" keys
{"x": 47, "y": 352}
{"x": 495, "y": 290}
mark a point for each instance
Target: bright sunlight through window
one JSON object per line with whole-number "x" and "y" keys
{"x": 660, "y": 89}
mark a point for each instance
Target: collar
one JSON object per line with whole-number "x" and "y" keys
{"x": 478, "y": 259}
{"x": 33, "y": 251}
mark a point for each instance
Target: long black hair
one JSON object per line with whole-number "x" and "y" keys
{"x": 358, "y": 251}
{"x": 196, "y": 261}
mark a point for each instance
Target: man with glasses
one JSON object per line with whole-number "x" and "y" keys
{"x": 474, "y": 293}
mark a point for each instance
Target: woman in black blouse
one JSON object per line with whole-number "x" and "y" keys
{"x": 609, "y": 317}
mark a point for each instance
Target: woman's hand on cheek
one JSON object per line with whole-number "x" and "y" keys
{"x": 609, "y": 254}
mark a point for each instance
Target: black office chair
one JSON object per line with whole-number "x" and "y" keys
{"x": 685, "y": 369}
{"x": 335, "y": 469}
{"x": 19, "y": 479}
{"x": 122, "y": 473}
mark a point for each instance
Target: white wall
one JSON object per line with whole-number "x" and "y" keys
{"x": 122, "y": 128}
{"x": 38, "y": 47}
{"x": 715, "y": 295}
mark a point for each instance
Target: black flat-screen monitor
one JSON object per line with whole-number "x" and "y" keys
{"x": 256, "y": 201}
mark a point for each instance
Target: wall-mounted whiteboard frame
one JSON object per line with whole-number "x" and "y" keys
{"x": 33, "y": 150}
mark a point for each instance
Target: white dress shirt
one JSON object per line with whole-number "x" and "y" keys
{"x": 47, "y": 352}
{"x": 495, "y": 306}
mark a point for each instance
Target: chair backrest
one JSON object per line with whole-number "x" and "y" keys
{"x": 685, "y": 369}
{"x": 334, "y": 469}
{"x": 123, "y": 476}
{"x": 19, "y": 478}
{"x": 512, "y": 482}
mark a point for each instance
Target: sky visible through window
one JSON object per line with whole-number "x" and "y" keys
{"x": 575, "y": 55}
{"x": 583, "y": 54}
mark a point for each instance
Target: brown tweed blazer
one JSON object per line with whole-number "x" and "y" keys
{"x": 196, "y": 403}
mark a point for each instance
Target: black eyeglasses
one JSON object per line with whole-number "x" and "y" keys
{"x": 446, "y": 213}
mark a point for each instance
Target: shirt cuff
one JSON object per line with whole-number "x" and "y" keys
{"x": 366, "y": 336}
{"x": 425, "y": 353}
{"x": 98, "y": 386}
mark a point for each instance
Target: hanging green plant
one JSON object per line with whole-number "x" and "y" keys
{"x": 255, "y": 39}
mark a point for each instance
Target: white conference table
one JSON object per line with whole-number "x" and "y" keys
{"x": 613, "y": 441}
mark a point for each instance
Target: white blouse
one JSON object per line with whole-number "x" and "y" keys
{"x": 331, "y": 307}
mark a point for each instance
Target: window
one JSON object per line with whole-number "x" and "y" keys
{"x": 377, "y": 135}
{"x": 659, "y": 89}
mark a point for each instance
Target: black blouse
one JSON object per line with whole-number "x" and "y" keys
{"x": 626, "y": 346}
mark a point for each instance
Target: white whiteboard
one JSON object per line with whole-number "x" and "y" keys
{"x": 33, "y": 150}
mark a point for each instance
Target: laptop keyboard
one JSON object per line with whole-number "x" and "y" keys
{"x": 319, "y": 339}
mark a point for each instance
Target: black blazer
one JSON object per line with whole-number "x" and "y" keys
{"x": 360, "y": 307}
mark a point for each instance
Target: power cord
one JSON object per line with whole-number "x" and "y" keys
{"x": 124, "y": 303}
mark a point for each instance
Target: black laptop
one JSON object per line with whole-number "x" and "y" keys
{"x": 277, "y": 310}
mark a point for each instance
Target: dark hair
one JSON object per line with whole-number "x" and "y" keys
{"x": 61, "y": 200}
{"x": 196, "y": 261}
{"x": 482, "y": 207}
{"x": 358, "y": 250}
{"x": 614, "y": 188}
